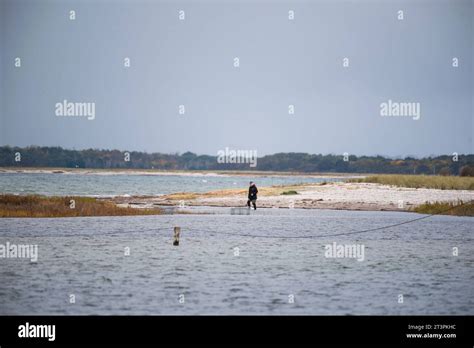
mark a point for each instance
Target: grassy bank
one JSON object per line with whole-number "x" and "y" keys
{"x": 421, "y": 181}
{"x": 446, "y": 208}
{"x": 41, "y": 206}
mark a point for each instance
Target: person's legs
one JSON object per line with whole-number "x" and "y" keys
{"x": 248, "y": 203}
{"x": 254, "y": 205}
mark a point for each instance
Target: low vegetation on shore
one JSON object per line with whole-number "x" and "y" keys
{"x": 446, "y": 208}
{"x": 421, "y": 181}
{"x": 41, "y": 206}
{"x": 290, "y": 192}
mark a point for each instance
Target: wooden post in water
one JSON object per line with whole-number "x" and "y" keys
{"x": 177, "y": 231}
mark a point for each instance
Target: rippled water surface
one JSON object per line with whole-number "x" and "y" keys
{"x": 85, "y": 257}
{"x": 108, "y": 184}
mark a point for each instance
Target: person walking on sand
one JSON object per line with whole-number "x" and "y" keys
{"x": 252, "y": 196}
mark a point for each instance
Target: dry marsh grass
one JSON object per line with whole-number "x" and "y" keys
{"x": 421, "y": 181}
{"x": 41, "y": 206}
{"x": 446, "y": 208}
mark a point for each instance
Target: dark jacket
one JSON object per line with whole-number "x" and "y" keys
{"x": 253, "y": 192}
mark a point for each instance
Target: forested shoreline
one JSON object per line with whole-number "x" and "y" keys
{"x": 36, "y": 156}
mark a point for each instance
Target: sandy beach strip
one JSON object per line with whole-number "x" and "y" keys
{"x": 331, "y": 195}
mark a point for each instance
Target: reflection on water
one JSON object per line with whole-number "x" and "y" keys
{"x": 213, "y": 273}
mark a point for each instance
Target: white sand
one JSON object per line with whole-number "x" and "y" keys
{"x": 347, "y": 196}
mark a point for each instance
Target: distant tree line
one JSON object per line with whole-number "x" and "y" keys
{"x": 36, "y": 156}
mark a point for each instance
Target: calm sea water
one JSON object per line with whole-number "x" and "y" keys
{"x": 126, "y": 184}
{"x": 85, "y": 257}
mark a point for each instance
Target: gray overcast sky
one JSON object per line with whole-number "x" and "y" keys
{"x": 282, "y": 62}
